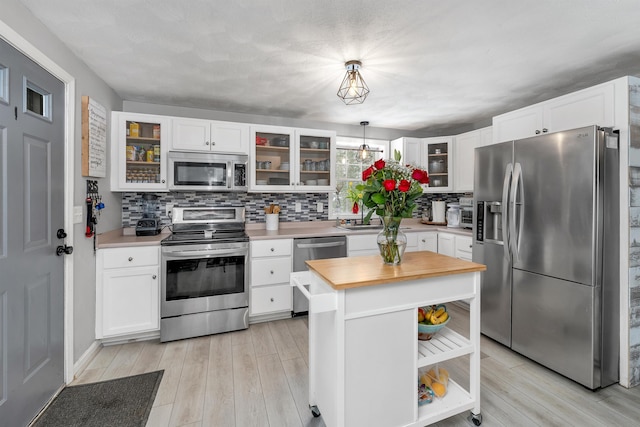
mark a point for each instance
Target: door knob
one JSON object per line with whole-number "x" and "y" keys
{"x": 64, "y": 249}
{"x": 61, "y": 234}
{"x": 154, "y": 277}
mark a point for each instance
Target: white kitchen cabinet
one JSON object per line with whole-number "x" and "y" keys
{"x": 366, "y": 244}
{"x": 428, "y": 241}
{"x": 433, "y": 154}
{"x": 291, "y": 159}
{"x": 464, "y": 146}
{"x": 209, "y": 135}
{"x": 446, "y": 244}
{"x": 410, "y": 149}
{"x": 271, "y": 266}
{"x": 127, "y": 291}
{"x": 139, "y": 144}
{"x": 591, "y": 106}
{"x": 437, "y": 157}
{"x": 362, "y": 244}
{"x": 463, "y": 247}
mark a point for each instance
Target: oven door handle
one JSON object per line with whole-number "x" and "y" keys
{"x": 203, "y": 253}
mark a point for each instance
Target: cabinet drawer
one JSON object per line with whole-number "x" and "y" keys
{"x": 130, "y": 257}
{"x": 269, "y": 271}
{"x": 270, "y": 248}
{"x": 362, "y": 242}
{"x": 269, "y": 299}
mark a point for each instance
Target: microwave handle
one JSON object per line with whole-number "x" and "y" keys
{"x": 229, "y": 174}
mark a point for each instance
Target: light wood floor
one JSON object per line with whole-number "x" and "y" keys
{"x": 258, "y": 377}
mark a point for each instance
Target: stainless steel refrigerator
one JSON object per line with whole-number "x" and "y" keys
{"x": 546, "y": 227}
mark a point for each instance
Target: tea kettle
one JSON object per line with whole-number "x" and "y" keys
{"x": 453, "y": 215}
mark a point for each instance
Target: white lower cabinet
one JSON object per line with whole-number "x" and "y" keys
{"x": 446, "y": 244}
{"x": 366, "y": 244}
{"x": 428, "y": 241}
{"x": 270, "y": 270}
{"x": 127, "y": 291}
{"x": 464, "y": 246}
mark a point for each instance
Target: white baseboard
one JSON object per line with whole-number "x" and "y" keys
{"x": 86, "y": 358}
{"x": 143, "y": 336}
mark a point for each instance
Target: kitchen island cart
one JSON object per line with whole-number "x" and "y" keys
{"x": 364, "y": 352}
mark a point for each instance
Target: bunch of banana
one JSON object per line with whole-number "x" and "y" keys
{"x": 437, "y": 316}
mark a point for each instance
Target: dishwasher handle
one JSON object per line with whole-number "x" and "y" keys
{"x": 320, "y": 245}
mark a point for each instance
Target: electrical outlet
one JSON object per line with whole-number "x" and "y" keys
{"x": 77, "y": 214}
{"x": 320, "y": 207}
{"x": 298, "y": 207}
{"x": 169, "y": 209}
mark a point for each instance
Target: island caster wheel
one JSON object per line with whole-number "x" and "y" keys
{"x": 476, "y": 419}
{"x": 314, "y": 411}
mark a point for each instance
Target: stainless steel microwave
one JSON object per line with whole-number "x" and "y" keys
{"x": 191, "y": 171}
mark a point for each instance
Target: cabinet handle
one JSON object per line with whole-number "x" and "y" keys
{"x": 271, "y": 271}
{"x": 545, "y": 130}
{"x": 206, "y": 143}
{"x": 154, "y": 277}
{"x": 537, "y": 131}
{"x": 163, "y": 181}
{"x": 130, "y": 259}
{"x": 470, "y": 246}
{"x": 423, "y": 241}
{"x": 213, "y": 143}
{"x": 273, "y": 249}
{"x": 271, "y": 299}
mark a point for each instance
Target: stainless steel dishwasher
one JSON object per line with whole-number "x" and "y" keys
{"x": 310, "y": 249}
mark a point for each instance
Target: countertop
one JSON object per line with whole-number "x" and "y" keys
{"x": 289, "y": 230}
{"x": 354, "y": 272}
{"x": 126, "y": 237}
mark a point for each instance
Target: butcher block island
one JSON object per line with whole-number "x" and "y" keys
{"x": 364, "y": 354}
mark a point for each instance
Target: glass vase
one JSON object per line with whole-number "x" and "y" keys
{"x": 391, "y": 241}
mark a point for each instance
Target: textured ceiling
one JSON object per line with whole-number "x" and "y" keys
{"x": 433, "y": 67}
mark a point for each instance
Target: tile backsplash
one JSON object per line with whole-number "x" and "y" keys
{"x": 254, "y": 204}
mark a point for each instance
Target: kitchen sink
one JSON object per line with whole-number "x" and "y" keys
{"x": 360, "y": 226}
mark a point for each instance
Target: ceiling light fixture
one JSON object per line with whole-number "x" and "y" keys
{"x": 353, "y": 89}
{"x": 364, "y": 148}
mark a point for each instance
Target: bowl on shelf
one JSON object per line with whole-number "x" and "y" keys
{"x": 284, "y": 166}
{"x": 311, "y": 182}
{"x": 281, "y": 141}
{"x": 426, "y": 332}
{"x": 261, "y": 182}
{"x": 323, "y": 182}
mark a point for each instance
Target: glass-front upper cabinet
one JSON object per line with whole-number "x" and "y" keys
{"x": 139, "y": 145}
{"x": 288, "y": 159}
{"x": 316, "y": 160}
{"x": 272, "y": 158}
{"x": 437, "y": 158}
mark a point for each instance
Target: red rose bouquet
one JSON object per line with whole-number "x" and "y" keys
{"x": 390, "y": 188}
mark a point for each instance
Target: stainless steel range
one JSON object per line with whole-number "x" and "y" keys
{"x": 204, "y": 273}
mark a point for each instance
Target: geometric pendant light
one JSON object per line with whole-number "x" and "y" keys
{"x": 353, "y": 89}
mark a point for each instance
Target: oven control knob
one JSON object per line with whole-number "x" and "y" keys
{"x": 153, "y": 277}
{"x": 130, "y": 258}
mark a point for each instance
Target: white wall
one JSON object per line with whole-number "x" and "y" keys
{"x": 354, "y": 130}
{"x": 20, "y": 28}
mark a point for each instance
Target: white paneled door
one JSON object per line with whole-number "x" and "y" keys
{"x": 31, "y": 212}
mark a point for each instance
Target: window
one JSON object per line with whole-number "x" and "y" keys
{"x": 349, "y": 167}
{"x": 37, "y": 101}
{"x": 4, "y": 84}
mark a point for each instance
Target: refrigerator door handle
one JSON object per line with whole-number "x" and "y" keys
{"x": 508, "y": 173}
{"x": 514, "y": 234}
